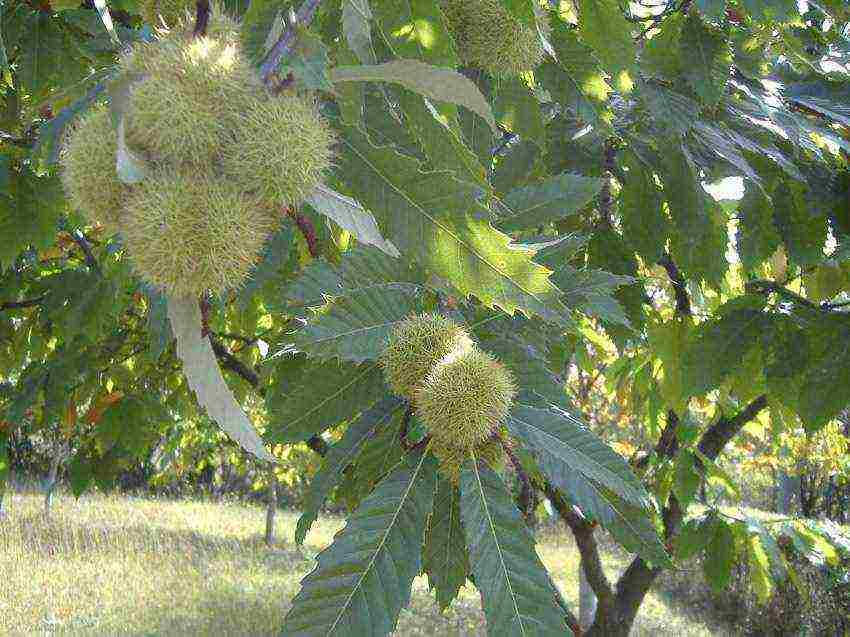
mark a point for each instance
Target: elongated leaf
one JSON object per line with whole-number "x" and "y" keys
{"x": 204, "y": 376}
{"x": 435, "y": 219}
{"x": 338, "y": 458}
{"x": 355, "y": 328}
{"x": 323, "y": 394}
{"x": 445, "y": 558}
{"x": 438, "y": 83}
{"x": 604, "y": 28}
{"x": 710, "y": 58}
{"x": 357, "y": 26}
{"x": 719, "y": 556}
{"x": 536, "y": 383}
{"x": 362, "y": 581}
{"x": 550, "y": 200}
{"x": 569, "y": 441}
{"x": 516, "y": 591}
{"x": 351, "y": 216}
{"x": 630, "y": 525}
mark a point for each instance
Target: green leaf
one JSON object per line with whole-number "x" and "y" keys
{"x": 321, "y": 395}
{"x": 415, "y": 29}
{"x": 438, "y": 134}
{"x": 672, "y": 113}
{"x": 535, "y": 381}
{"x": 566, "y": 440}
{"x": 668, "y": 341}
{"x": 435, "y": 219}
{"x": 362, "y": 581}
{"x": 351, "y": 216}
{"x": 591, "y": 291}
{"x": 803, "y": 231}
{"x": 356, "y": 326}
{"x": 516, "y": 591}
{"x": 52, "y": 131}
{"x": 204, "y": 377}
{"x": 317, "y": 281}
{"x": 694, "y": 537}
{"x": 308, "y": 63}
{"x": 757, "y": 238}
{"x": 357, "y": 26}
{"x": 631, "y": 526}
{"x": 158, "y": 328}
{"x": 30, "y": 209}
{"x": 339, "y": 456}
{"x": 380, "y": 454}
{"x": 44, "y": 54}
{"x": 823, "y": 394}
{"x": 445, "y": 558}
{"x": 533, "y": 206}
{"x": 686, "y": 480}
{"x": 719, "y": 345}
{"x": 262, "y": 25}
{"x": 605, "y": 29}
{"x": 761, "y": 578}
{"x": 661, "y": 53}
{"x": 709, "y": 58}
{"x": 712, "y": 8}
{"x": 271, "y": 266}
{"x": 518, "y": 110}
{"x": 719, "y": 556}
{"x": 645, "y": 226}
{"x": 436, "y": 83}
{"x": 699, "y": 244}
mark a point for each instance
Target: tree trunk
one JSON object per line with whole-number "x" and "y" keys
{"x": 271, "y": 507}
{"x": 586, "y": 601}
{"x": 52, "y": 477}
{"x": 786, "y": 486}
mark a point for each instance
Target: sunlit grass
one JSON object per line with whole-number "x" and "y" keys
{"x": 109, "y": 565}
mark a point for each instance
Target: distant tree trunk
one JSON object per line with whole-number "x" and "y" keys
{"x": 50, "y": 482}
{"x": 785, "y": 487}
{"x": 587, "y": 601}
{"x": 271, "y": 507}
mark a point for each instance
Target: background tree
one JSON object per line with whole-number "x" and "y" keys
{"x": 542, "y": 174}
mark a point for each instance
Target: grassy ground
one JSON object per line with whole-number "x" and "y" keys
{"x": 125, "y": 566}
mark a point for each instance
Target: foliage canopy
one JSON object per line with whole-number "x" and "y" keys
{"x": 561, "y": 210}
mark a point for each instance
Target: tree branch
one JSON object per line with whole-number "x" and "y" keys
{"x": 17, "y": 305}
{"x": 721, "y": 432}
{"x": 307, "y": 230}
{"x": 80, "y": 239}
{"x": 768, "y": 287}
{"x": 286, "y": 42}
{"x": 637, "y": 579}
{"x": 591, "y": 563}
{"x": 683, "y": 301}
{"x": 229, "y": 361}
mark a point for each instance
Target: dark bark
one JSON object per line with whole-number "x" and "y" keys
{"x": 638, "y": 578}
{"x": 229, "y": 361}
{"x": 683, "y": 301}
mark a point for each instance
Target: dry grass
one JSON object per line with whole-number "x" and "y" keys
{"x": 110, "y": 565}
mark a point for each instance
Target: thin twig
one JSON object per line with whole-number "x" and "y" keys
{"x": 80, "y": 239}
{"x": 405, "y": 427}
{"x": 18, "y": 305}
{"x": 683, "y": 301}
{"x": 307, "y": 230}
{"x": 286, "y": 42}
